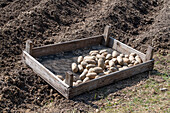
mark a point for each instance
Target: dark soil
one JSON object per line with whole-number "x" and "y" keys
{"x": 138, "y": 23}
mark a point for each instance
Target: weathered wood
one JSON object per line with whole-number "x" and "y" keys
{"x": 69, "y": 78}
{"x": 125, "y": 49}
{"x": 106, "y": 35}
{"x": 29, "y": 46}
{"x": 108, "y": 79}
{"x": 45, "y": 74}
{"x": 66, "y": 46}
{"x": 149, "y": 53}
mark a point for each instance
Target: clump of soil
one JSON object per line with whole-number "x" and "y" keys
{"x": 134, "y": 22}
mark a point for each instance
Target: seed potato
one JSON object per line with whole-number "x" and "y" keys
{"x": 101, "y": 63}
{"x": 80, "y": 67}
{"x": 60, "y": 77}
{"x": 86, "y": 79}
{"x": 74, "y": 67}
{"x": 83, "y": 75}
{"x": 80, "y": 59}
{"x": 108, "y": 57}
{"x": 91, "y": 75}
{"x": 115, "y": 54}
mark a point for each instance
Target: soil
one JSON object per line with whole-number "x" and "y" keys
{"x": 137, "y": 23}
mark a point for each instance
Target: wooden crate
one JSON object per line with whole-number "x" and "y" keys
{"x": 66, "y": 88}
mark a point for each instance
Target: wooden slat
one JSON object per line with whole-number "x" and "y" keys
{"x": 45, "y": 74}
{"x": 106, "y": 35}
{"x": 28, "y": 48}
{"x": 108, "y": 79}
{"x": 66, "y": 46}
{"x": 69, "y": 78}
{"x": 149, "y": 53}
{"x": 123, "y": 48}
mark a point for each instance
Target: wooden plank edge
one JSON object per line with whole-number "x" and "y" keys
{"x": 59, "y": 85}
{"x": 100, "y": 82}
{"x": 54, "y": 48}
{"x": 115, "y": 44}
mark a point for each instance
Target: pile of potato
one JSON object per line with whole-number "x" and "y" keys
{"x": 101, "y": 62}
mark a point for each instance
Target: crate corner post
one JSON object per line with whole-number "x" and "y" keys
{"x": 106, "y": 35}
{"x": 28, "y": 47}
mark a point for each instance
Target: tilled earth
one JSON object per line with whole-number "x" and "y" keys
{"x": 138, "y": 23}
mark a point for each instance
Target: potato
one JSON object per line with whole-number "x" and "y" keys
{"x": 80, "y": 59}
{"x": 83, "y": 75}
{"x": 83, "y": 63}
{"x": 126, "y": 60}
{"x": 126, "y": 56}
{"x": 97, "y": 69}
{"x": 133, "y": 61}
{"x": 90, "y": 66}
{"x": 132, "y": 54}
{"x": 89, "y": 58}
{"x": 90, "y": 61}
{"x": 97, "y": 76}
{"x": 94, "y": 51}
{"x": 91, "y": 70}
{"x": 136, "y": 62}
{"x": 80, "y": 67}
{"x": 91, "y": 75}
{"x": 60, "y": 77}
{"x": 74, "y": 83}
{"x": 120, "y": 69}
{"x": 101, "y": 63}
{"x": 79, "y": 81}
{"x": 131, "y": 58}
{"x": 120, "y": 60}
{"x": 106, "y": 62}
{"x": 125, "y": 67}
{"x": 107, "y": 72}
{"x": 115, "y": 60}
{"x": 115, "y": 54}
{"x": 100, "y": 57}
{"x": 130, "y": 65}
{"x": 113, "y": 69}
{"x": 111, "y": 63}
{"x": 107, "y": 66}
{"x": 121, "y": 55}
{"x": 93, "y": 54}
{"x": 137, "y": 58}
{"x": 86, "y": 79}
{"x": 102, "y": 51}
{"x": 74, "y": 67}
{"x": 118, "y": 66}
{"x": 104, "y": 54}
{"x": 108, "y": 57}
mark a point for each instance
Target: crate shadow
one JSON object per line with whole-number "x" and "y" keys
{"x": 111, "y": 89}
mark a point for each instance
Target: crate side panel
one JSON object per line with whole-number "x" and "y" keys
{"x": 123, "y": 48}
{"x": 108, "y": 79}
{"x": 45, "y": 74}
{"x": 66, "y": 46}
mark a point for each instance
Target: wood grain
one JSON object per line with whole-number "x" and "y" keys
{"x": 149, "y": 53}
{"x": 108, "y": 79}
{"x": 125, "y": 49}
{"x": 28, "y": 48}
{"x": 69, "y": 78}
{"x": 45, "y": 74}
{"x": 66, "y": 46}
{"x": 106, "y": 35}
